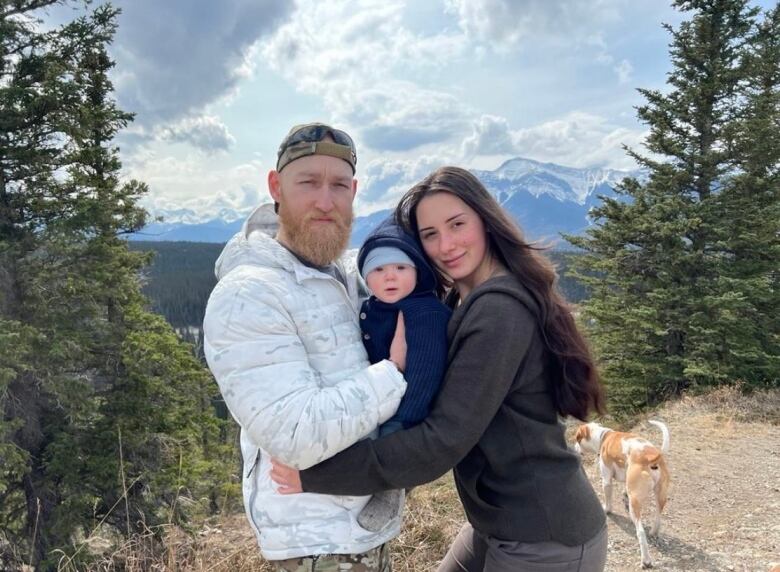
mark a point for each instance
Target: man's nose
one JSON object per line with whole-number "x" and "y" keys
{"x": 324, "y": 200}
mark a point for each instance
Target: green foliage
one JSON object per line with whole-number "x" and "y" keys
{"x": 683, "y": 267}
{"x": 179, "y": 279}
{"x": 107, "y": 416}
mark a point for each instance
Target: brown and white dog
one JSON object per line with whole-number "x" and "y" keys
{"x": 636, "y": 461}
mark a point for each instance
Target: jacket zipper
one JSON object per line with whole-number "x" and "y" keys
{"x": 253, "y": 494}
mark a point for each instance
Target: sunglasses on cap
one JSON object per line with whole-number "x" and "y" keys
{"x": 303, "y": 140}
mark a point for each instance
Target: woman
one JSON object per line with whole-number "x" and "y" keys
{"x": 516, "y": 362}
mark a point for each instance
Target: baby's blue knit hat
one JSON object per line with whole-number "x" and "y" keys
{"x": 383, "y": 255}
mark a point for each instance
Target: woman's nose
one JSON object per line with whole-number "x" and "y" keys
{"x": 445, "y": 242}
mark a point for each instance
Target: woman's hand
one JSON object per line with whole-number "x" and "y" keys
{"x": 398, "y": 345}
{"x": 288, "y": 479}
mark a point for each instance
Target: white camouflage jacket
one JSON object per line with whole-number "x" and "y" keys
{"x": 283, "y": 343}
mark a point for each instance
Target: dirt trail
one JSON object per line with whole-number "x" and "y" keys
{"x": 724, "y": 508}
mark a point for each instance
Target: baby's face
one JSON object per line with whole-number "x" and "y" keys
{"x": 392, "y": 282}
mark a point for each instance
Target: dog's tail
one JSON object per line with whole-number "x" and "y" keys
{"x": 665, "y": 430}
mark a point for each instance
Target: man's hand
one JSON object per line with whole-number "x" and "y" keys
{"x": 398, "y": 345}
{"x": 288, "y": 479}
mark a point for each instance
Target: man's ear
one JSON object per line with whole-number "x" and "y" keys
{"x": 354, "y": 188}
{"x": 274, "y": 185}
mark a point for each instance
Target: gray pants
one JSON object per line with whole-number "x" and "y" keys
{"x": 476, "y": 552}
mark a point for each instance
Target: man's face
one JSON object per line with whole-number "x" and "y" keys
{"x": 315, "y": 195}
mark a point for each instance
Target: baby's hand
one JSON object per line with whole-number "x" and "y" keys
{"x": 398, "y": 345}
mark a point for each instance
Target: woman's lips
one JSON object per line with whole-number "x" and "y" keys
{"x": 452, "y": 261}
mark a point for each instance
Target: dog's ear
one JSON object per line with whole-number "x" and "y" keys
{"x": 583, "y": 433}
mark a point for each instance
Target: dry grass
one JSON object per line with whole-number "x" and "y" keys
{"x": 733, "y": 403}
{"x": 432, "y": 517}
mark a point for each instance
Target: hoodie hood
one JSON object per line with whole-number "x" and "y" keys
{"x": 389, "y": 233}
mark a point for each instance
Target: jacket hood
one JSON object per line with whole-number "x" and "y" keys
{"x": 389, "y": 233}
{"x": 254, "y": 245}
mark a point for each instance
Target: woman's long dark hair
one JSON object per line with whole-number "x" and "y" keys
{"x": 577, "y": 391}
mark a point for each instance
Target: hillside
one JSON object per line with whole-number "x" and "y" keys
{"x": 181, "y": 276}
{"x": 722, "y": 514}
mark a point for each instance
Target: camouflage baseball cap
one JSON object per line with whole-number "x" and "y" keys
{"x": 307, "y": 139}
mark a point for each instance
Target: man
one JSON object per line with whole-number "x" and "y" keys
{"x": 283, "y": 342}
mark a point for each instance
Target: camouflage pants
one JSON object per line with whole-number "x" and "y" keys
{"x": 375, "y": 560}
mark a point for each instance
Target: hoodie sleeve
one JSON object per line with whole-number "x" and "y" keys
{"x": 263, "y": 372}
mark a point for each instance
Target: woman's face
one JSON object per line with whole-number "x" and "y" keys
{"x": 453, "y": 236}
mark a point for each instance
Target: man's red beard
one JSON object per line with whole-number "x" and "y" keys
{"x": 319, "y": 243}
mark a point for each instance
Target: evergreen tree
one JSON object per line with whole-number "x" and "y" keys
{"x": 750, "y": 207}
{"x": 665, "y": 312}
{"x": 35, "y": 95}
{"x": 107, "y": 415}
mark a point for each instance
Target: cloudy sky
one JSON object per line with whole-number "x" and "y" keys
{"x": 216, "y": 85}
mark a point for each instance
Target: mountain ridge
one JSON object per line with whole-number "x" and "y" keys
{"x": 546, "y": 199}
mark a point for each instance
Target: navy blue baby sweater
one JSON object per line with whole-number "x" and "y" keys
{"x": 425, "y": 321}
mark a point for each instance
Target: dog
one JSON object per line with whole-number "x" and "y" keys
{"x": 637, "y": 462}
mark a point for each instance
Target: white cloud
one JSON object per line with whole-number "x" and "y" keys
{"x": 577, "y": 139}
{"x": 623, "y": 70}
{"x": 192, "y": 183}
{"x": 507, "y": 24}
{"x": 357, "y": 68}
{"x": 490, "y": 135}
{"x": 177, "y": 56}
{"x": 385, "y": 180}
{"x": 206, "y": 133}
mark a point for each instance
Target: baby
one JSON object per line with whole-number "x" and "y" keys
{"x": 401, "y": 281}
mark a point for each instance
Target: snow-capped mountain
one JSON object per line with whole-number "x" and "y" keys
{"x": 562, "y": 183}
{"x": 546, "y": 199}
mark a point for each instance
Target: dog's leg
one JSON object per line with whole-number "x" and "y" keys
{"x": 656, "y": 528}
{"x": 635, "y": 511}
{"x": 661, "y": 491}
{"x": 606, "y": 483}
